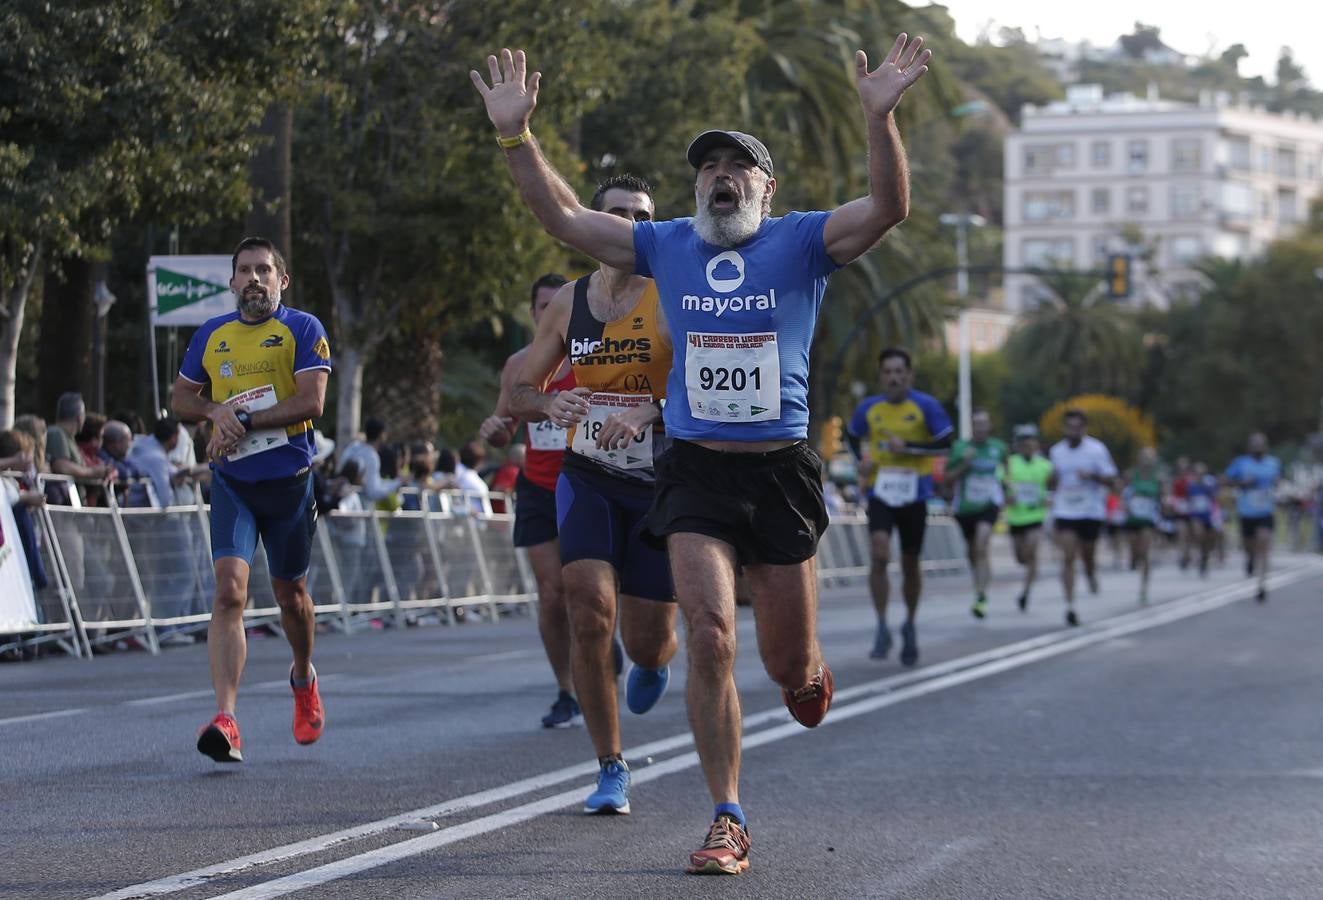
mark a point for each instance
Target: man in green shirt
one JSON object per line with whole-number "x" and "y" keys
{"x": 62, "y": 450}
{"x": 1027, "y": 472}
{"x": 976, "y": 469}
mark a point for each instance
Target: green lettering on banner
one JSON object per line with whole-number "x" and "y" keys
{"x": 175, "y": 290}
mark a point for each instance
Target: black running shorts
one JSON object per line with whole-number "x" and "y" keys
{"x": 768, "y": 506}
{"x": 1087, "y": 529}
{"x": 909, "y": 521}
{"x": 535, "y": 514}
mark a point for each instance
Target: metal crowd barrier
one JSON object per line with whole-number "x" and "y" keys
{"x": 139, "y": 574}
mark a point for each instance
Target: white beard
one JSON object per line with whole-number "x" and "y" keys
{"x": 728, "y": 229}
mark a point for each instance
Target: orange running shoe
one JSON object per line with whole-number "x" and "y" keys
{"x": 308, "y": 715}
{"x": 220, "y": 739}
{"x": 810, "y": 703}
{"x": 725, "y": 852}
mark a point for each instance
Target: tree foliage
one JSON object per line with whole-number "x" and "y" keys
{"x": 1124, "y": 429}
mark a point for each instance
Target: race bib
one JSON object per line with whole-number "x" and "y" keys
{"x": 1027, "y": 493}
{"x": 1074, "y": 499}
{"x": 1258, "y": 499}
{"x": 546, "y": 435}
{"x": 257, "y": 441}
{"x": 1180, "y": 505}
{"x": 1140, "y": 507}
{"x": 1200, "y": 504}
{"x": 896, "y": 487}
{"x": 733, "y": 377}
{"x": 636, "y": 455}
{"x": 979, "y": 489}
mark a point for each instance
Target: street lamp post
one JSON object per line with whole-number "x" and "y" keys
{"x": 962, "y": 222}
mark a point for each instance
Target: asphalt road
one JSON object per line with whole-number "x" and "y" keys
{"x": 1170, "y": 751}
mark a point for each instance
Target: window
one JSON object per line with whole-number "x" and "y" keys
{"x": 1186, "y": 202}
{"x": 1238, "y": 153}
{"x": 1100, "y": 154}
{"x": 1265, "y": 159}
{"x": 1286, "y": 207}
{"x": 1100, "y": 200}
{"x": 1285, "y": 162}
{"x": 1044, "y": 206}
{"x": 1265, "y": 205}
{"x": 1136, "y": 200}
{"x": 1045, "y": 252}
{"x": 1237, "y": 201}
{"x": 1102, "y": 248}
{"x": 1183, "y": 249}
{"x": 1187, "y": 155}
{"x": 1041, "y": 158}
{"x": 1137, "y": 155}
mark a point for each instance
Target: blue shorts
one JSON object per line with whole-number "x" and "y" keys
{"x": 282, "y": 512}
{"x": 535, "y": 514}
{"x": 602, "y": 517}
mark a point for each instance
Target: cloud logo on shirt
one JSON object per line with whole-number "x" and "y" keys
{"x": 725, "y": 272}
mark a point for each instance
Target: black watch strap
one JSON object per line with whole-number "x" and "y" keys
{"x": 245, "y": 419}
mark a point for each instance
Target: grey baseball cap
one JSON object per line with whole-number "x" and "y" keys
{"x": 1025, "y": 431}
{"x": 709, "y": 140}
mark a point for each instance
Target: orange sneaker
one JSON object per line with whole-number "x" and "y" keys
{"x": 308, "y": 715}
{"x": 725, "y": 852}
{"x": 220, "y": 739}
{"x": 810, "y": 703}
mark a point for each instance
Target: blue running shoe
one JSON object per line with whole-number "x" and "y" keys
{"x": 612, "y": 794}
{"x": 644, "y": 688}
{"x": 564, "y": 712}
{"x": 882, "y": 644}
{"x": 909, "y": 645}
{"x": 617, "y": 656}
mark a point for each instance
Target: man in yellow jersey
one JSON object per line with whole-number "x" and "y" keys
{"x": 1027, "y": 474}
{"x": 266, "y": 366}
{"x": 610, "y": 326}
{"x": 896, "y": 434}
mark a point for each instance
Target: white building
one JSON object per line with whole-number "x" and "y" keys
{"x": 1197, "y": 180}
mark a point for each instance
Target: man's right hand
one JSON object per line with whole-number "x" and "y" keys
{"x": 509, "y": 102}
{"x": 227, "y": 424}
{"x": 494, "y": 425}
{"x": 569, "y": 407}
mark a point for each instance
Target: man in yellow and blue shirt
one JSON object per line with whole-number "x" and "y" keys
{"x": 896, "y": 434}
{"x": 266, "y": 366}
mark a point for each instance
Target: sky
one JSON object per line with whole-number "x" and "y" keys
{"x": 1193, "y": 28}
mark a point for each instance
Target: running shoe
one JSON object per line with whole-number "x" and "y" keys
{"x": 725, "y": 852}
{"x": 1071, "y": 618}
{"x": 1261, "y": 596}
{"x": 617, "y": 656}
{"x": 564, "y": 712}
{"x": 308, "y": 715}
{"x": 612, "y": 794}
{"x": 644, "y": 688}
{"x": 1023, "y": 602}
{"x": 810, "y": 703}
{"x": 980, "y": 607}
{"x": 882, "y": 643}
{"x": 909, "y": 645}
{"x": 220, "y": 739}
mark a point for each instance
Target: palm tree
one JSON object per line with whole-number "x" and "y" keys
{"x": 1078, "y": 339}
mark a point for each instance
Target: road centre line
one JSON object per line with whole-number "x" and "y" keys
{"x": 938, "y": 677}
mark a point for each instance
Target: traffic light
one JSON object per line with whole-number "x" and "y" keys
{"x": 1118, "y": 276}
{"x": 829, "y": 442}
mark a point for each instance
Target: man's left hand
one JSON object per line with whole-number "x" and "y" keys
{"x": 881, "y": 89}
{"x": 620, "y": 428}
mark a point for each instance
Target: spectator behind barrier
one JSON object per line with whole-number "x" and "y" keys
{"x": 471, "y": 456}
{"x": 17, "y": 454}
{"x": 133, "y": 420}
{"x": 448, "y": 470}
{"x": 422, "y": 459}
{"x": 62, "y": 450}
{"x": 150, "y": 455}
{"x": 88, "y": 440}
{"x": 367, "y": 453}
{"x": 506, "y": 476}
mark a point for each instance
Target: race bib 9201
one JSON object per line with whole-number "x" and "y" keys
{"x": 733, "y": 377}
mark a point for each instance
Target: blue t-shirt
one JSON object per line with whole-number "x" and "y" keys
{"x": 1258, "y": 500}
{"x": 1201, "y": 495}
{"x": 259, "y": 360}
{"x": 918, "y": 419}
{"x": 741, "y": 321}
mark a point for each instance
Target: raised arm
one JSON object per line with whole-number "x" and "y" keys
{"x": 854, "y": 228}
{"x": 510, "y": 102}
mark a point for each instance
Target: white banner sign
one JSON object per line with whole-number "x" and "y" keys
{"x": 188, "y": 290}
{"x": 18, "y": 608}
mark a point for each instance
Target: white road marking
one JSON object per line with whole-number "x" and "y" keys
{"x": 1064, "y": 642}
{"x": 56, "y": 714}
{"x": 910, "y": 877}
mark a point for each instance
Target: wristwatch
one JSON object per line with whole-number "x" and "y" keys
{"x": 245, "y": 419}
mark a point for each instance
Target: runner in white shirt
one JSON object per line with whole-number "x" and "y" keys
{"x": 1082, "y": 473}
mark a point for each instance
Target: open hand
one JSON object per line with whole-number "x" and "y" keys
{"x": 509, "y": 101}
{"x": 569, "y": 407}
{"x": 881, "y": 89}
